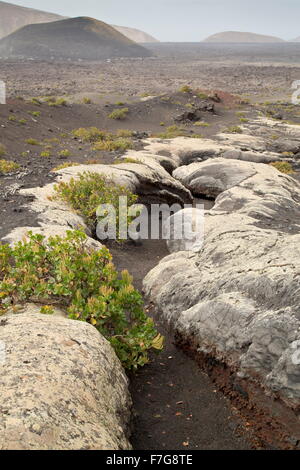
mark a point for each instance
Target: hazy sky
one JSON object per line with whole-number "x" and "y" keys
{"x": 185, "y": 20}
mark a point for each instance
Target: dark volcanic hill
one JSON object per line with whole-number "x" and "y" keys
{"x": 240, "y": 37}
{"x": 13, "y": 17}
{"x": 75, "y": 38}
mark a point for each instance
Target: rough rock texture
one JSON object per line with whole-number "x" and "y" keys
{"x": 213, "y": 176}
{"x": 62, "y": 386}
{"x": 185, "y": 150}
{"x": 238, "y": 299}
{"x": 149, "y": 179}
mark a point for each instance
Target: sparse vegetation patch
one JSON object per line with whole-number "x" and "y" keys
{"x": 7, "y": 166}
{"x": 119, "y": 114}
{"x": 283, "y": 167}
{"x": 89, "y": 191}
{"x": 64, "y": 272}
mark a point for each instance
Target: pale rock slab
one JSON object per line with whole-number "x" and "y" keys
{"x": 62, "y": 386}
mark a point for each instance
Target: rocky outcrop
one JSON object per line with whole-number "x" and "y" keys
{"x": 213, "y": 177}
{"x": 62, "y": 386}
{"x": 185, "y": 150}
{"x": 237, "y": 300}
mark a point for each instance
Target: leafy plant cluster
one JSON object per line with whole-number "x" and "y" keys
{"x": 89, "y": 191}
{"x": 64, "y": 272}
{"x": 283, "y": 167}
{"x": 174, "y": 131}
{"x": 7, "y": 166}
{"x": 103, "y": 140}
{"x": 119, "y": 114}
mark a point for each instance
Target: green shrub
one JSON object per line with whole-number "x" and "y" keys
{"x": 201, "y": 124}
{"x": 283, "y": 167}
{"x": 57, "y": 102}
{"x": 113, "y": 145}
{"x": 89, "y": 191}
{"x": 34, "y": 113}
{"x": 90, "y": 134}
{"x": 65, "y": 165}
{"x": 22, "y": 122}
{"x": 12, "y": 118}
{"x": 202, "y": 96}
{"x": 126, "y": 160}
{"x": 64, "y": 272}
{"x": 32, "y": 142}
{"x": 36, "y": 101}
{"x": 119, "y": 114}
{"x": 105, "y": 141}
{"x": 172, "y": 132}
{"x": 7, "y": 166}
{"x": 65, "y": 153}
{"x": 45, "y": 153}
{"x": 234, "y": 130}
{"x": 87, "y": 100}
{"x": 185, "y": 89}
{"x": 124, "y": 133}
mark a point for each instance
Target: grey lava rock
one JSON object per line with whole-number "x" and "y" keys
{"x": 62, "y": 386}
{"x": 238, "y": 298}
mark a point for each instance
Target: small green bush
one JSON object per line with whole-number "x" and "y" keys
{"x": 65, "y": 165}
{"x": 185, "y": 89}
{"x": 7, "y": 166}
{"x": 172, "y": 132}
{"x": 32, "y": 142}
{"x": 89, "y": 191}
{"x": 64, "y": 272}
{"x": 22, "y": 122}
{"x": 124, "y": 133}
{"x": 201, "y": 124}
{"x": 57, "y": 102}
{"x": 119, "y": 114}
{"x": 126, "y": 160}
{"x": 120, "y": 143}
{"x": 45, "y": 153}
{"x": 36, "y": 101}
{"x": 234, "y": 130}
{"x": 90, "y": 134}
{"x": 34, "y": 113}
{"x": 202, "y": 96}
{"x": 12, "y": 118}
{"x": 105, "y": 141}
{"x": 65, "y": 153}
{"x": 87, "y": 100}
{"x": 283, "y": 167}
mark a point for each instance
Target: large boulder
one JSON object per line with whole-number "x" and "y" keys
{"x": 214, "y": 176}
{"x": 237, "y": 300}
{"x": 62, "y": 386}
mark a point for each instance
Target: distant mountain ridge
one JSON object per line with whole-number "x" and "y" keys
{"x": 135, "y": 34}
{"x": 242, "y": 37}
{"x": 73, "y": 38}
{"x": 13, "y": 17}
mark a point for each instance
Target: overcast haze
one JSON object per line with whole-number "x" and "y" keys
{"x": 185, "y": 20}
